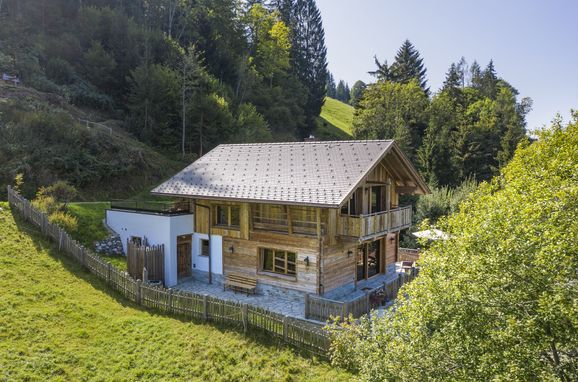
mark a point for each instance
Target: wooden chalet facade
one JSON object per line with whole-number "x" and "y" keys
{"x": 305, "y": 217}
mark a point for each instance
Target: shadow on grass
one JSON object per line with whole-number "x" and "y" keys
{"x": 42, "y": 242}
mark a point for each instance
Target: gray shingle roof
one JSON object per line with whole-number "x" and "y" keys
{"x": 308, "y": 173}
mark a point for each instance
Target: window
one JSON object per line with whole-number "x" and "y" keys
{"x": 277, "y": 261}
{"x": 227, "y": 216}
{"x": 376, "y": 199}
{"x": 205, "y": 247}
{"x": 350, "y": 208}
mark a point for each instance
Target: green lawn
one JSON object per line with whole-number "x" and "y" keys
{"x": 338, "y": 114}
{"x": 90, "y": 227}
{"x": 58, "y": 322}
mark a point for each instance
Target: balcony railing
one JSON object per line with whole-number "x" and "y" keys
{"x": 376, "y": 224}
{"x": 165, "y": 208}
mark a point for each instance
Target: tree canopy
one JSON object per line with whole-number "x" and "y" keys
{"x": 497, "y": 300}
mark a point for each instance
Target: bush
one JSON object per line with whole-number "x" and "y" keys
{"x": 45, "y": 203}
{"x": 67, "y": 222}
{"x": 60, "y": 71}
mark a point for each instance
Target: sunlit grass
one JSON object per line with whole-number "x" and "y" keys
{"x": 58, "y": 322}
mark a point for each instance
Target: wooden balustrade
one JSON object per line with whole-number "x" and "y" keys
{"x": 371, "y": 225}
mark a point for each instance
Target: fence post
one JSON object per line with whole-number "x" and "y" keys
{"x": 170, "y": 302}
{"x": 285, "y": 328}
{"x": 306, "y": 305}
{"x": 344, "y": 310}
{"x": 206, "y": 307}
{"x": 367, "y": 305}
{"x": 245, "y": 317}
{"x": 138, "y": 294}
{"x": 108, "y": 272}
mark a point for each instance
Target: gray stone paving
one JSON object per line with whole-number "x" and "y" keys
{"x": 277, "y": 304}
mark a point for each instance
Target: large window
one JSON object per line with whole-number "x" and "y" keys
{"x": 227, "y": 216}
{"x": 277, "y": 261}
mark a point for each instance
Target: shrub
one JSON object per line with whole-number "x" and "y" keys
{"x": 45, "y": 203}
{"x": 67, "y": 222}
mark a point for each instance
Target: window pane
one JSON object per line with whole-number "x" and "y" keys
{"x": 267, "y": 255}
{"x": 235, "y": 216}
{"x": 222, "y": 215}
{"x": 204, "y": 247}
{"x": 291, "y": 257}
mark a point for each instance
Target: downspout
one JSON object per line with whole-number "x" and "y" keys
{"x": 210, "y": 245}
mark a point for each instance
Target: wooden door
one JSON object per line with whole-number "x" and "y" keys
{"x": 184, "y": 256}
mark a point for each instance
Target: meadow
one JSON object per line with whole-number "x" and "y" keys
{"x": 58, "y": 322}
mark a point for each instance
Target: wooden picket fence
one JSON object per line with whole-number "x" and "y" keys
{"x": 302, "y": 334}
{"x": 151, "y": 258}
{"x": 408, "y": 254}
{"x": 323, "y": 309}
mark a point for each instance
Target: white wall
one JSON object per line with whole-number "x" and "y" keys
{"x": 158, "y": 229}
{"x": 202, "y": 262}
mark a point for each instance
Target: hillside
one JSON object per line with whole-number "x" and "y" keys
{"x": 335, "y": 120}
{"x": 42, "y": 137}
{"x": 59, "y": 322}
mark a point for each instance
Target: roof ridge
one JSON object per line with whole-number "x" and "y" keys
{"x": 308, "y": 142}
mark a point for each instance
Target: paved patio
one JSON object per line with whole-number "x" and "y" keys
{"x": 280, "y": 304}
{"x": 275, "y": 304}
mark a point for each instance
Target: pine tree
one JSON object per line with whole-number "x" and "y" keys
{"x": 489, "y": 81}
{"x": 341, "y": 93}
{"x": 382, "y": 73}
{"x": 347, "y": 93}
{"x": 409, "y": 65}
{"x": 476, "y": 75}
{"x": 331, "y": 88}
{"x": 308, "y": 52}
{"x": 462, "y": 68}
{"x": 356, "y": 92}
{"x": 453, "y": 78}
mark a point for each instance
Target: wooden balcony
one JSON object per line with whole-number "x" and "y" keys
{"x": 372, "y": 225}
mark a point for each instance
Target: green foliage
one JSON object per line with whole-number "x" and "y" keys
{"x": 45, "y": 144}
{"x": 66, "y": 221}
{"x": 61, "y": 191}
{"x": 60, "y": 322}
{"x": 443, "y": 201}
{"x": 18, "y": 182}
{"x": 356, "y": 92}
{"x": 251, "y": 126}
{"x": 390, "y": 110}
{"x": 497, "y": 300}
{"x": 45, "y": 203}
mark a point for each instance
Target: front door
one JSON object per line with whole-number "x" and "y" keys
{"x": 184, "y": 254}
{"x": 368, "y": 260}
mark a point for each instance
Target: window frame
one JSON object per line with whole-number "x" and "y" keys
{"x": 286, "y": 262}
{"x": 229, "y": 216}
{"x": 201, "y": 252}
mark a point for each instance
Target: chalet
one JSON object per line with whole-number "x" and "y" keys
{"x": 307, "y": 217}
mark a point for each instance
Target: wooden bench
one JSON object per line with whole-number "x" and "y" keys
{"x": 242, "y": 282}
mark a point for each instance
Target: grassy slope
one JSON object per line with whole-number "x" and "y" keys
{"x": 338, "y": 115}
{"x": 58, "y": 322}
{"x": 91, "y": 229}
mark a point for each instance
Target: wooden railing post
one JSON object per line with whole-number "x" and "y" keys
{"x": 285, "y": 328}
{"x": 245, "y": 317}
{"x": 108, "y": 272}
{"x": 306, "y": 305}
{"x": 206, "y": 307}
{"x": 170, "y": 302}
{"x": 138, "y": 292}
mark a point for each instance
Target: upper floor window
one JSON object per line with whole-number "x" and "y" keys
{"x": 350, "y": 207}
{"x": 227, "y": 216}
